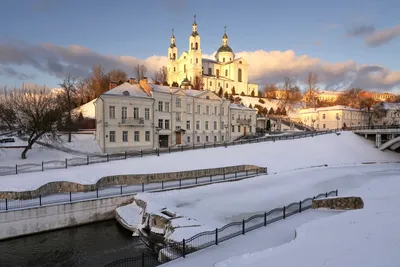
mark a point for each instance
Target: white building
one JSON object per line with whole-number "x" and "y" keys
{"x": 226, "y": 72}
{"x": 391, "y": 113}
{"x": 135, "y": 116}
{"x": 335, "y": 117}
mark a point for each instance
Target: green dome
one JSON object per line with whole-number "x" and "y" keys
{"x": 225, "y": 48}
{"x": 185, "y": 82}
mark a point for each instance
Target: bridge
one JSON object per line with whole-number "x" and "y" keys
{"x": 386, "y": 136}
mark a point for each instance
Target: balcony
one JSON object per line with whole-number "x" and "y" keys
{"x": 243, "y": 121}
{"x": 132, "y": 122}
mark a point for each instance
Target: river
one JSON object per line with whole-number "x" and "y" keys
{"x": 90, "y": 245}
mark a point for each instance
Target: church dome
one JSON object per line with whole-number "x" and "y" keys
{"x": 185, "y": 82}
{"x": 225, "y": 48}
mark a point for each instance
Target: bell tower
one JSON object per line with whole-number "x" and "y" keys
{"x": 172, "y": 60}
{"x": 195, "y": 57}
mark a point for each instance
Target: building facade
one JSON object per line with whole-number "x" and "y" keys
{"x": 225, "y": 72}
{"x": 388, "y": 113}
{"x": 335, "y": 117}
{"x": 135, "y": 116}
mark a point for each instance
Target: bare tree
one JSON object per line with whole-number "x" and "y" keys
{"x": 67, "y": 100}
{"x": 350, "y": 98}
{"x": 197, "y": 83}
{"x": 117, "y": 75}
{"x": 83, "y": 91}
{"x": 161, "y": 76}
{"x": 37, "y": 113}
{"x": 7, "y": 114}
{"x": 270, "y": 91}
{"x": 312, "y": 88}
{"x": 290, "y": 95}
{"x": 140, "y": 71}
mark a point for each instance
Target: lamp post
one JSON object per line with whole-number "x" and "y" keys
{"x": 157, "y": 133}
{"x": 338, "y": 119}
{"x": 305, "y": 122}
{"x": 313, "y": 121}
{"x": 226, "y": 131}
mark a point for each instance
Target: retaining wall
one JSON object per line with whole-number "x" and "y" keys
{"x": 34, "y": 220}
{"x": 339, "y": 203}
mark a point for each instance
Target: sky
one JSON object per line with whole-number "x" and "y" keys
{"x": 347, "y": 43}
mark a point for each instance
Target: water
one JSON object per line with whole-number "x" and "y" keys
{"x": 89, "y": 245}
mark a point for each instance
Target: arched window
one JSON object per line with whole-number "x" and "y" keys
{"x": 191, "y": 45}
{"x": 184, "y": 68}
{"x": 223, "y": 59}
{"x": 197, "y": 61}
{"x": 174, "y": 69}
{"x": 217, "y": 73}
{"x": 226, "y": 85}
{"x": 174, "y": 56}
{"x": 226, "y": 73}
{"x": 197, "y": 46}
{"x": 170, "y": 56}
{"x": 239, "y": 75}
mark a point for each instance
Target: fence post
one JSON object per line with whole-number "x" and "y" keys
{"x": 87, "y": 160}
{"x": 216, "y": 236}
{"x": 162, "y": 184}
{"x": 70, "y": 196}
{"x": 107, "y": 157}
{"x": 6, "y": 204}
{"x": 284, "y": 212}
{"x": 42, "y": 166}
{"x": 66, "y": 163}
{"x": 180, "y": 182}
{"x": 142, "y": 187}
{"x": 214, "y": 143}
{"x": 143, "y": 259}
{"x": 125, "y": 154}
{"x": 184, "y": 247}
{"x": 326, "y": 194}
{"x": 224, "y": 174}
{"x": 97, "y": 193}
{"x": 196, "y": 179}
{"x": 193, "y": 145}
{"x": 40, "y": 200}
{"x": 235, "y": 174}
{"x": 121, "y": 189}
{"x": 182, "y": 148}
{"x": 210, "y": 178}
{"x": 204, "y": 145}
{"x": 336, "y": 192}
{"x": 16, "y": 168}
{"x": 265, "y": 219}
{"x": 158, "y": 152}
{"x": 243, "y": 227}
{"x": 169, "y": 149}
{"x": 225, "y": 145}
{"x": 247, "y": 172}
{"x": 300, "y": 206}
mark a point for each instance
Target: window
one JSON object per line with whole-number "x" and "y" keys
{"x": 188, "y": 109}
{"x": 112, "y": 136}
{"x": 210, "y": 83}
{"x": 222, "y": 125}
{"x": 239, "y": 75}
{"x": 188, "y": 139}
{"x": 174, "y": 69}
{"x": 233, "y": 116}
{"x": 207, "y": 138}
{"x": 222, "y": 138}
{"x": 124, "y": 113}
{"x": 178, "y": 116}
{"x": 226, "y": 73}
{"x": 222, "y": 111}
{"x": 226, "y": 85}
{"x": 324, "y": 126}
{"x": 160, "y": 123}
{"x": 136, "y": 136}
{"x": 206, "y": 125}
{"x": 223, "y": 59}
{"x": 198, "y": 139}
{"x": 250, "y": 117}
{"x": 166, "y": 106}
{"x": 208, "y": 110}
{"x": 147, "y": 136}
{"x": 238, "y": 128}
{"x": 323, "y": 117}
{"x": 215, "y": 138}
{"x": 215, "y": 125}
{"x": 215, "y": 110}
{"x": 233, "y": 128}
{"x": 197, "y": 125}
{"x": 124, "y": 136}
{"x": 178, "y": 102}
{"x": 136, "y": 113}
{"x": 197, "y": 46}
{"x": 166, "y": 124}
{"x": 209, "y": 71}
{"x": 187, "y": 125}
{"x": 197, "y": 60}
{"x": 160, "y": 106}
{"x": 217, "y": 73}
{"x": 184, "y": 68}
{"x": 178, "y": 127}
{"x": 147, "y": 114}
{"x": 111, "y": 110}
{"x": 198, "y": 109}
{"x": 250, "y": 129}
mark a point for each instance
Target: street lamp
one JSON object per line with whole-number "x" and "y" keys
{"x": 338, "y": 119}
{"x": 226, "y": 132}
{"x": 157, "y": 131}
{"x": 313, "y": 121}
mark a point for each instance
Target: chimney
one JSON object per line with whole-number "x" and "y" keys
{"x": 143, "y": 83}
{"x": 112, "y": 85}
{"x": 132, "y": 80}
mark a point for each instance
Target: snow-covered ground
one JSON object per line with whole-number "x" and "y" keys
{"x": 277, "y": 156}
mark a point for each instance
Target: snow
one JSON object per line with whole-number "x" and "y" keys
{"x": 84, "y": 143}
{"x": 132, "y": 89}
{"x": 88, "y": 110}
{"x": 369, "y": 237}
{"x": 324, "y": 149}
{"x": 241, "y": 107}
{"x": 269, "y": 103}
{"x": 131, "y": 214}
{"x": 337, "y": 107}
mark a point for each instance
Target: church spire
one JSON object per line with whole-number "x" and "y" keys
{"x": 172, "y": 45}
{"x": 194, "y": 27}
{"x": 225, "y": 38}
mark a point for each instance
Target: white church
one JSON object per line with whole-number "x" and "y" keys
{"x": 225, "y": 72}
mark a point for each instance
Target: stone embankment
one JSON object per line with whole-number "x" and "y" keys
{"x": 339, "y": 203}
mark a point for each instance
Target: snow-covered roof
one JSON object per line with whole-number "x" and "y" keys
{"x": 337, "y": 107}
{"x": 390, "y": 106}
{"x": 163, "y": 89}
{"x": 241, "y": 107}
{"x": 328, "y": 92}
{"x": 88, "y": 110}
{"x": 127, "y": 89}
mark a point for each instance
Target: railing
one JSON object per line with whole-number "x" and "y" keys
{"x": 372, "y": 127}
{"x": 175, "y": 250}
{"x": 79, "y": 161}
{"x": 71, "y": 197}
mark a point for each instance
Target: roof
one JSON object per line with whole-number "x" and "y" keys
{"x": 390, "y": 106}
{"x": 88, "y": 110}
{"x": 337, "y": 107}
{"x": 241, "y": 107}
{"x": 219, "y": 77}
{"x": 327, "y": 92}
{"x": 225, "y": 48}
{"x": 163, "y": 89}
{"x": 127, "y": 89}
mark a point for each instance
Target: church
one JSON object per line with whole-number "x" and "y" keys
{"x": 226, "y": 73}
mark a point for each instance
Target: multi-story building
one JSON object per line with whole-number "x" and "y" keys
{"x": 135, "y": 116}
{"x": 387, "y": 113}
{"x": 335, "y": 117}
{"x": 224, "y": 73}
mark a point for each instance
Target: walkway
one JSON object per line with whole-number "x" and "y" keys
{"x": 273, "y": 235}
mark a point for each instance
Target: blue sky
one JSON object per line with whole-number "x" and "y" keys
{"x": 141, "y": 29}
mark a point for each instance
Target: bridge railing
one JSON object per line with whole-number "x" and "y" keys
{"x": 372, "y": 127}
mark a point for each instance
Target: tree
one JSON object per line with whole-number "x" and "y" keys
{"x": 290, "y": 94}
{"x": 84, "y": 93}
{"x": 220, "y": 92}
{"x": 271, "y": 111}
{"x": 259, "y": 94}
{"x": 231, "y": 98}
{"x": 225, "y": 94}
{"x": 161, "y": 76}
{"x": 349, "y": 98}
{"x": 175, "y": 84}
{"x": 270, "y": 91}
{"x": 278, "y": 111}
{"x": 233, "y": 90}
{"x": 268, "y": 126}
{"x": 67, "y": 100}
{"x": 283, "y": 112}
{"x": 7, "y": 114}
{"x": 252, "y": 93}
{"x": 261, "y": 101}
{"x": 98, "y": 81}
{"x": 250, "y": 106}
{"x": 367, "y": 103}
{"x": 242, "y": 94}
{"x": 140, "y": 71}
{"x": 118, "y": 76}
{"x": 312, "y": 89}
{"x": 37, "y": 113}
{"x": 197, "y": 84}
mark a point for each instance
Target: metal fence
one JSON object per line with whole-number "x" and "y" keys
{"x": 13, "y": 204}
{"x": 79, "y": 161}
{"x": 175, "y": 250}
{"x": 372, "y": 127}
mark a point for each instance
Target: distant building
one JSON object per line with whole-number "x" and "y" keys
{"x": 390, "y": 113}
{"x": 226, "y": 72}
{"x": 134, "y": 116}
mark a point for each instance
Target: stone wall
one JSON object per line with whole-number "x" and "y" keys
{"x": 129, "y": 179}
{"x": 339, "y": 203}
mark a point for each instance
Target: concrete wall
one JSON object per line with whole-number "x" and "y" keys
{"x": 29, "y": 221}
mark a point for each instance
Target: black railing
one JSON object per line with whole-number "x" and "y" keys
{"x": 72, "y": 162}
{"x": 69, "y": 197}
{"x": 175, "y": 250}
{"x": 372, "y": 127}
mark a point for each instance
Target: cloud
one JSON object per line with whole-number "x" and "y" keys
{"x": 9, "y": 71}
{"x": 265, "y": 67}
{"x": 362, "y": 30}
{"x": 383, "y": 36}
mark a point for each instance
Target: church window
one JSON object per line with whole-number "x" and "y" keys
{"x": 217, "y": 73}
{"x": 184, "y": 68}
{"x": 174, "y": 56}
{"x": 197, "y": 46}
{"x": 226, "y": 73}
{"x": 223, "y": 59}
{"x": 226, "y": 85}
{"x": 230, "y": 59}
{"x": 191, "y": 45}
{"x": 210, "y": 83}
{"x": 209, "y": 71}
{"x": 239, "y": 75}
{"x": 174, "y": 69}
{"x": 202, "y": 70}
{"x": 197, "y": 60}
{"x": 240, "y": 62}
